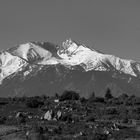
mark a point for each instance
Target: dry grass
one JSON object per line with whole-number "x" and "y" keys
{"x": 4, "y": 130}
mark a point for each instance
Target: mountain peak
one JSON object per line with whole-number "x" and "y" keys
{"x": 68, "y": 47}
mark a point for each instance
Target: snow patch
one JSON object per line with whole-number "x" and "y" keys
{"x": 9, "y": 64}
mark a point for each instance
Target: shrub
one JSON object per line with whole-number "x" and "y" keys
{"x": 123, "y": 112}
{"x": 38, "y": 128}
{"x": 2, "y": 120}
{"x": 99, "y": 136}
{"x": 112, "y": 111}
{"x": 67, "y": 118}
{"x": 83, "y": 100}
{"x": 69, "y": 95}
{"x": 22, "y": 120}
{"x": 99, "y": 99}
{"x": 90, "y": 119}
{"x": 34, "y": 103}
{"x": 125, "y": 120}
{"x": 123, "y": 99}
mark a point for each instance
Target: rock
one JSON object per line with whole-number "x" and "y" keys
{"x": 59, "y": 114}
{"x": 19, "y": 114}
{"x": 48, "y": 115}
{"x": 56, "y": 100}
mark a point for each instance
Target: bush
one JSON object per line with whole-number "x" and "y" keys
{"x": 123, "y": 112}
{"x": 2, "y": 120}
{"x": 38, "y": 128}
{"x": 34, "y": 103}
{"x": 69, "y": 95}
{"x": 123, "y": 99}
{"x": 125, "y": 120}
{"x": 112, "y": 111}
{"x": 67, "y": 118}
{"x": 83, "y": 100}
{"x": 22, "y": 120}
{"x": 99, "y": 99}
{"x": 99, "y": 136}
{"x": 90, "y": 119}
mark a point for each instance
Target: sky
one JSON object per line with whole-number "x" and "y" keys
{"x": 111, "y": 26}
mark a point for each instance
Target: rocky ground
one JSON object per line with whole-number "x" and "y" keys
{"x": 40, "y": 118}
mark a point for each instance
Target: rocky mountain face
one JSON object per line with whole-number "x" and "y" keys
{"x": 37, "y": 68}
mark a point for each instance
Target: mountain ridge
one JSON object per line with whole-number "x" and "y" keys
{"x": 34, "y": 59}
{"x": 70, "y": 53}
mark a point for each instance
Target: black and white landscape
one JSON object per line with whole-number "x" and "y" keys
{"x": 69, "y": 70}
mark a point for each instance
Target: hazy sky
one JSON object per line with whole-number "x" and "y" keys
{"x": 111, "y": 26}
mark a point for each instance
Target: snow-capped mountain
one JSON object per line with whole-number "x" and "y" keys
{"x": 27, "y": 61}
{"x": 90, "y": 59}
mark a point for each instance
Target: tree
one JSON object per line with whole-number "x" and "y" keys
{"x": 56, "y": 95}
{"x": 92, "y": 97}
{"x": 108, "y": 94}
{"x": 123, "y": 98}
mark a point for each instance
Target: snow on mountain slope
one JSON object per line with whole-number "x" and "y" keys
{"x": 32, "y": 52}
{"x": 68, "y": 54}
{"x": 9, "y": 64}
{"x": 90, "y": 59}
